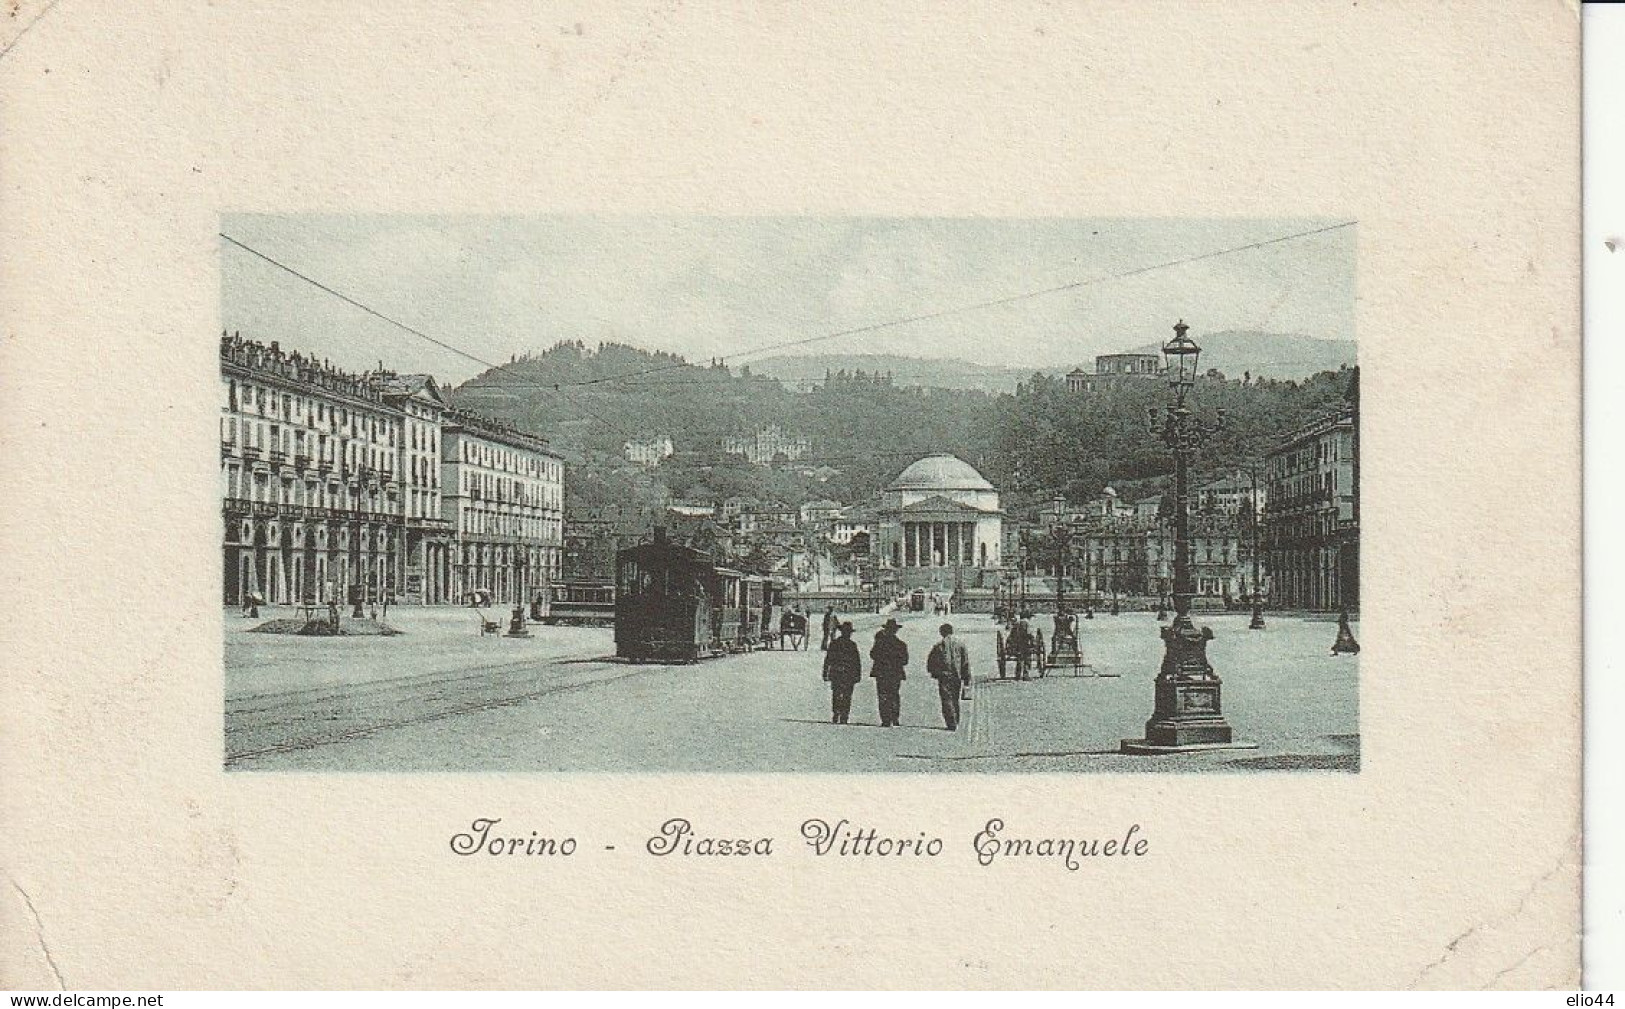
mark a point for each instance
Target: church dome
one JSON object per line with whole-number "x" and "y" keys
{"x": 940, "y": 473}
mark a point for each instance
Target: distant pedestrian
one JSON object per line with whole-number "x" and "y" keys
{"x": 843, "y": 668}
{"x": 890, "y": 657}
{"x": 832, "y": 623}
{"x": 949, "y": 664}
{"x": 1020, "y": 646}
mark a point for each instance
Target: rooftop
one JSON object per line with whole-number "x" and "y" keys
{"x": 940, "y": 472}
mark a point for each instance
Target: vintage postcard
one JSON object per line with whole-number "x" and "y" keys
{"x": 1089, "y": 494}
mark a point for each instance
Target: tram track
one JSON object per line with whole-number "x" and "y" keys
{"x": 265, "y": 725}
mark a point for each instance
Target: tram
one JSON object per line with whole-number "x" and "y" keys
{"x": 580, "y": 603}
{"x": 673, "y": 604}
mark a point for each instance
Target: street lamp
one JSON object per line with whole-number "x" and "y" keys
{"x": 516, "y": 625}
{"x": 1187, "y": 713}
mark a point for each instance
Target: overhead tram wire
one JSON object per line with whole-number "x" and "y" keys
{"x": 412, "y": 329}
{"x": 561, "y": 387}
{"x": 944, "y": 313}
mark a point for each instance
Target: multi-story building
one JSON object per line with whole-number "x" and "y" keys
{"x": 1311, "y": 520}
{"x": 425, "y": 531}
{"x": 854, "y": 526}
{"x": 503, "y": 490}
{"x": 310, "y": 479}
{"x": 1134, "y": 555}
{"x": 593, "y": 536}
{"x": 648, "y": 451}
{"x": 768, "y": 445}
{"x": 819, "y": 514}
{"x": 335, "y": 485}
{"x": 1232, "y": 494}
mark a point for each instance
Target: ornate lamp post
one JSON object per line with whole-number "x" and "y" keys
{"x": 1187, "y": 713}
{"x": 516, "y": 624}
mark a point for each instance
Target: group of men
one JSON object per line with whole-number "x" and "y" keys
{"x": 948, "y": 663}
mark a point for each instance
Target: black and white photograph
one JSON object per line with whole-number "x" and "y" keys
{"x": 711, "y": 494}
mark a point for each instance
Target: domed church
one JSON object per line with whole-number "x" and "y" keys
{"x": 939, "y": 524}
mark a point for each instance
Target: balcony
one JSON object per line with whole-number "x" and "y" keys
{"x": 301, "y": 461}
{"x": 276, "y": 457}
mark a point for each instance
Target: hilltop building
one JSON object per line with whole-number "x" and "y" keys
{"x": 1112, "y": 368}
{"x": 767, "y": 445}
{"x": 648, "y": 451}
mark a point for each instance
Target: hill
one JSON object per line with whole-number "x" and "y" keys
{"x": 1234, "y": 352}
{"x": 1032, "y": 441}
{"x": 1267, "y": 355}
{"x": 933, "y": 372}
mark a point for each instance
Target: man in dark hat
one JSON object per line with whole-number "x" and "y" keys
{"x": 843, "y": 668}
{"x": 890, "y": 656}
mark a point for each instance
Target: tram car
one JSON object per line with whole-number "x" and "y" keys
{"x": 580, "y": 603}
{"x": 673, "y": 604}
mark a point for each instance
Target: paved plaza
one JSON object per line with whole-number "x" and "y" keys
{"x": 441, "y": 698}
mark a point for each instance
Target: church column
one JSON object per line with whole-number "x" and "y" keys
{"x": 908, "y": 544}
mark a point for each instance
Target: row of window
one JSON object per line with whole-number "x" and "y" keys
{"x": 507, "y": 460}
{"x": 309, "y": 411}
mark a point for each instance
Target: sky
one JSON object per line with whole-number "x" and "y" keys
{"x": 703, "y": 287}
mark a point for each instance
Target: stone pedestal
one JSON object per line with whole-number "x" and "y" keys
{"x": 1188, "y": 713}
{"x": 516, "y": 625}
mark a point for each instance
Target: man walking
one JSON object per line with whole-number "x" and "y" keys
{"x": 1021, "y": 643}
{"x": 949, "y": 665}
{"x": 843, "y": 668}
{"x": 831, "y": 624}
{"x": 890, "y": 656}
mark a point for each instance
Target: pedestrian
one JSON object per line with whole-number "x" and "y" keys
{"x": 1021, "y": 643}
{"x": 832, "y": 623}
{"x": 786, "y": 622}
{"x": 890, "y": 657}
{"x": 949, "y": 664}
{"x": 843, "y": 668}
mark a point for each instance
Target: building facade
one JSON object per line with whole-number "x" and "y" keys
{"x": 939, "y": 525}
{"x": 310, "y": 479}
{"x": 648, "y": 451}
{"x": 767, "y": 445}
{"x": 334, "y": 485}
{"x": 1310, "y": 523}
{"x": 1111, "y": 368}
{"x": 504, "y": 495}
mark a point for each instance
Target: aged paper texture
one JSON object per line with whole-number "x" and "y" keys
{"x": 143, "y": 852}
